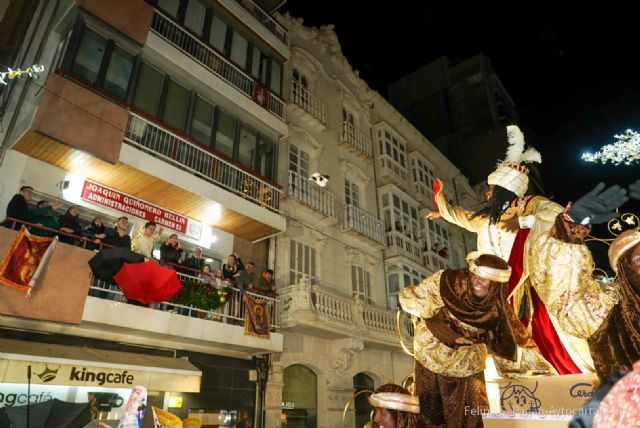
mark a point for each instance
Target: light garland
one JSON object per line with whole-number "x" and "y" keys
{"x": 626, "y": 150}
{"x": 13, "y": 74}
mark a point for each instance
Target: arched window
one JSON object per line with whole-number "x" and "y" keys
{"x": 299, "y": 397}
{"x": 362, "y": 382}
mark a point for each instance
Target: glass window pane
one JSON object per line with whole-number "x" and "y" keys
{"x": 248, "y": 140}
{"x": 176, "y": 106}
{"x": 276, "y": 77}
{"x": 148, "y": 89}
{"x": 202, "y": 124}
{"x": 169, "y": 6}
{"x": 226, "y": 134}
{"x": 119, "y": 72}
{"x": 218, "y": 33}
{"x": 265, "y": 157}
{"x": 239, "y": 46}
{"x": 194, "y": 17}
{"x": 89, "y": 57}
{"x": 255, "y": 62}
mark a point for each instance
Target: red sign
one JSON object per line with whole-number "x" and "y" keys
{"x": 99, "y": 194}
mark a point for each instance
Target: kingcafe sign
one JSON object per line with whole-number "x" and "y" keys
{"x": 70, "y": 375}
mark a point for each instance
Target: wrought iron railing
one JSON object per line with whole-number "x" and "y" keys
{"x": 312, "y": 195}
{"x": 160, "y": 142}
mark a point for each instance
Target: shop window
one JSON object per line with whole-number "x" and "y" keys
{"x": 202, "y": 122}
{"x": 225, "y": 134}
{"x": 148, "y": 89}
{"x": 89, "y": 57}
{"x": 247, "y": 146}
{"x": 119, "y": 72}
{"x": 362, "y": 382}
{"x": 218, "y": 33}
{"x": 299, "y": 397}
{"x": 176, "y": 105}
{"x": 302, "y": 263}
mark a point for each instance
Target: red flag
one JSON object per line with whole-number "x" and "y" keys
{"x": 23, "y": 263}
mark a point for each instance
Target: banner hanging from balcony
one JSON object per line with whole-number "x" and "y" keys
{"x": 127, "y": 204}
{"x": 25, "y": 260}
{"x": 256, "y": 317}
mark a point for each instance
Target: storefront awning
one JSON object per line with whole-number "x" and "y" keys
{"x": 76, "y": 366}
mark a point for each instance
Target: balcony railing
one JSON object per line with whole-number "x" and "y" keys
{"x": 357, "y": 139}
{"x": 308, "y": 102}
{"x": 312, "y": 195}
{"x": 403, "y": 246}
{"x": 342, "y": 314}
{"x": 206, "y": 56}
{"x": 423, "y": 193}
{"x": 271, "y": 24}
{"x": 356, "y": 219}
{"x": 176, "y": 150}
{"x": 391, "y": 169}
{"x": 435, "y": 261}
{"x": 232, "y": 312}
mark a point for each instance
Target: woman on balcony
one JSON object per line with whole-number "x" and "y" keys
{"x": 70, "y": 223}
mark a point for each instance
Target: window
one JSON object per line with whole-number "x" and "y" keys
{"x": 202, "y": 123}
{"x": 239, "y": 46}
{"x": 423, "y": 174}
{"x": 437, "y": 248}
{"x": 119, "y": 72}
{"x": 176, "y": 106}
{"x": 300, "y": 89}
{"x": 361, "y": 283}
{"x": 347, "y": 117}
{"x": 194, "y": 16}
{"x": 169, "y": 6}
{"x": 265, "y": 157}
{"x": 351, "y": 194}
{"x": 276, "y": 77}
{"x": 302, "y": 264}
{"x": 298, "y": 161}
{"x": 391, "y": 147}
{"x": 399, "y": 278}
{"x": 226, "y": 133}
{"x": 247, "y": 147}
{"x": 259, "y": 65}
{"x": 88, "y": 59}
{"x": 148, "y": 89}
{"x": 403, "y": 227}
{"x": 218, "y": 33}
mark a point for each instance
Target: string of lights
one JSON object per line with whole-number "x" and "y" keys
{"x": 626, "y": 150}
{"x": 11, "y": 74}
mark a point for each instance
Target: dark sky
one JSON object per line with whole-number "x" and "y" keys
{"x": 572, "y": 68}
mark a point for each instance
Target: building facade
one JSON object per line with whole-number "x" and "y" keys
{"x": 210, "y": 117}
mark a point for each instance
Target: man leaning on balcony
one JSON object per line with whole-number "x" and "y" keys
{"x": 18, "y": 207}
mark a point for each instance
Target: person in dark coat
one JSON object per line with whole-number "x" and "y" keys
{"x": 96, "y": 232}
{"x": 195, "y": 262}
{"x": 232, "y": 267}
{"x": 170, "y": 251}
{"x": 43, "y": 215}
{"x": 118, "y": 237}
{"x": 70, "y": 223}
{"x": 18, "y": 207}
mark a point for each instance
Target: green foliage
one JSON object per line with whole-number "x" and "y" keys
{"x": 202, "y": 295}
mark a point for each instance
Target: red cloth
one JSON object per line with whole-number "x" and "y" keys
{"x": 437, "y": 186}
{"x": 147, "y": 282}
{"x": 542, "y": 330}
{"x": 19, "y": 265}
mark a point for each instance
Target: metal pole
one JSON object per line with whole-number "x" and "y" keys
{"x": 28, "y": 394}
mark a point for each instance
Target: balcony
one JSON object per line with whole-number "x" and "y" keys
{"x": 312, "y": 309}
{"x": 209, "y": 58}
{"x": 176, "y": 150}
{"x": 434, "y": 261}
{"x": 87, "y": 307}
{"x": 392, "y": 173}
{"x": 356, "y": 141}
{"x": 313, "y": 198}
{"x": 263, "y": 17}
{"x": 307, "y": 106}
{"x": 423, "y": 194}
{"x": 400, "y": 245}
{"x": 363, "y": 224}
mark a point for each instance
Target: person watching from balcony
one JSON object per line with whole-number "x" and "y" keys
{"x": 118, "y": 236}
{"x": 245, "y": 278}
{"x": 435, "y": 247}
{"x": 265, "y": 285}
{"x": 96, "y": 232}
{"x": 232, "y": 267}
{"x": 170, "y": 251}
{"x": 443, "y": 253}
{"x": 43, "y": 216}
{"x": 196, "y": 261}
{"x": 69, "y": 222}
{"x": 146, "y": 240}
{"x": 18, "y": 207}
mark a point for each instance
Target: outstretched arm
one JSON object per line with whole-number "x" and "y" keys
{"x": 423, "y": 300}
{"x": 456, "y": 215}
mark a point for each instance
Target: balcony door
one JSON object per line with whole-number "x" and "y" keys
{"x": 299, "y": 183}
{"x": 300, "y": 89}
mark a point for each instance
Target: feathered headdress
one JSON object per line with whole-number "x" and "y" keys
{"x": 511, "y": 173}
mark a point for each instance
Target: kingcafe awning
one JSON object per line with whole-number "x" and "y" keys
{"x": 75, "y": 366}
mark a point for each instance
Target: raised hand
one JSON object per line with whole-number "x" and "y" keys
{"x": 634, "y": 190}
{"x": 599, "y": 205}
{"x": 433, "y": 215}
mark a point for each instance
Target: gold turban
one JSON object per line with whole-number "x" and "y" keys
{"x": 623, "y": 243}
{"x": 395, "y": 401}
{"x": 492, "y": 274}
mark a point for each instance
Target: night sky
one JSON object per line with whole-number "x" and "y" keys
{"x": 573, "y": 71}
